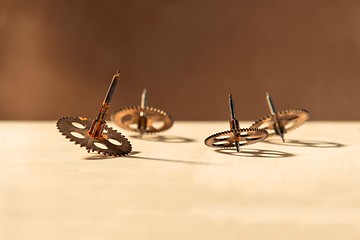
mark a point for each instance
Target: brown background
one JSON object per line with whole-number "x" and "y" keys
{"x": 57, "y": 57}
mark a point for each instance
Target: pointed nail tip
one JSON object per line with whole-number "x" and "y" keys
{"x": 237, "y": 146}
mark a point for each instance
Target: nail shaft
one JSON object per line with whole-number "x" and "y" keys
{"x": 278, "y": 127}
{"x": 234, "y": 124}
{"x": 270, "y": 104}
{"x": 98, "y": 125}
{"x": 143, "y": 99}
{"x": 232, "y": 108}
{"x": 112, "y": 88}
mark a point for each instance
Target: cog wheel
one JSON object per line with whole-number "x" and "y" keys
{"x": 130, "y": 118}
{"x": 228, "y": 139}
{"x": 289, "y": 119}
{"x": 111, "y": 143}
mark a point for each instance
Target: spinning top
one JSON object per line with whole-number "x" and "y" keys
{"x": 236, "y": 136}
{"x": 142, "y": 119}
{"x": 95, "y": 135}
{"x": 279, "y": 123}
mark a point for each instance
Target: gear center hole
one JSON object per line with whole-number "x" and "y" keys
{"x": 77, "y": 135}
{"x": 100, "y": 145}
{"x": 115, "y": 142}
{"x": 78, "y": 125}
{"x": 158, "y": 124}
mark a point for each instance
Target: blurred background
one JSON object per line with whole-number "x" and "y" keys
{"x": 57, "y": 57}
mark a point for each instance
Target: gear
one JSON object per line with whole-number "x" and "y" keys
{"x": 95, "y": 135}
{"x": 153, "y": 120}
{"x": 236, "y": 136}
{"x": 110, "y": 143}
{"x": 228, "y": 139}
{"x": 288, "y": 120}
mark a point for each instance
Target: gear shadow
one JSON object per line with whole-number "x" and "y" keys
{"x": 131, "y": 155}
{"x": 98, "y": 157}
{"x": 260, "y": 153}
{"x": 166, "y": 160}
{"x": 161, "y": 138}
{"x": 306, "y": 143}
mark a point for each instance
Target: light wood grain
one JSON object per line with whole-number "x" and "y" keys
{"x": 52, "y": 189}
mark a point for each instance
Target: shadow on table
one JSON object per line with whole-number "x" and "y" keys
{"x": 305, "y": 143}
{"x": 96, "y": 156}
{"x": 131, "y": 155}
{"x": 261, "y": 153}
{"x": 161, "y": 138}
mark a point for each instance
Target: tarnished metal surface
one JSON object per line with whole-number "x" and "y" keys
{"x": 110, "y": 143}
{"x": 142, "y": 119}
{"x": 242, "y": 137}
{"x": 289, "y": 120}
{"x": 129, "y": 119}
{"x": 236, "y": 136}
{"x": 279, "y": 123}
{"x": 95, "y": 135}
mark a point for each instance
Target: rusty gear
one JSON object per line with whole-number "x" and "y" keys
{"x": 244, "y": 136}
{"x": 111, "y": 143}
{"x": 288, "y": 120}
{"x": 152, "y": 119}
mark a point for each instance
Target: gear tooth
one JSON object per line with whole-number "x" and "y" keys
{"x": 64, "y": 127}
{"x": 135, "y": 112}
{"x": 264, "y": 135}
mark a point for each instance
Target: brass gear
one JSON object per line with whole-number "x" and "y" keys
{"x": 244, "y": 136}
{"x": 289, "y": 119}
{"x": 110, "y": 143}
{"x": 129, "y": 119}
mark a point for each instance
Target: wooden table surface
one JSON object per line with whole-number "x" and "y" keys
{"x": 174, "y": 187}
